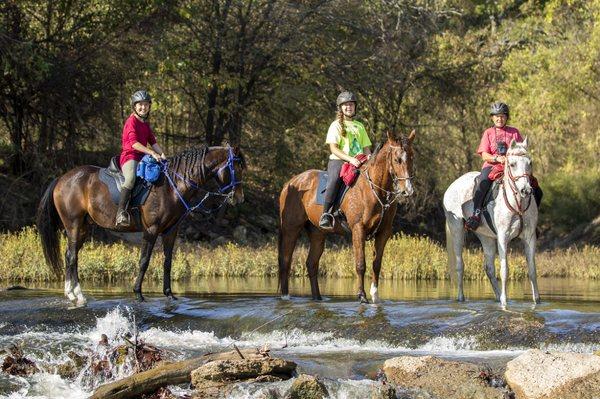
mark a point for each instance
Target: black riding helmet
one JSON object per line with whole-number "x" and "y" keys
{"x": 345, "y": 97}
{"x": 499, "y": 108}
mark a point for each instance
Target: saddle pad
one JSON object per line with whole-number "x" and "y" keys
{"x": 138, "y": 196}
{"x": 320, "y": 194}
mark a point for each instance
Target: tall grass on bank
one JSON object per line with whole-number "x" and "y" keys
{"x": 406, "y": 258}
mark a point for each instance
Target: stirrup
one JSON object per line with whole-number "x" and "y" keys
{"x": 474, "y": 221}
{"x": 326, "y": 220}
{"x": 123, "y": 219}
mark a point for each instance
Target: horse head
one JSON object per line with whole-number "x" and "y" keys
{"x": 518, "y": 168}
{"x": 229, "y": 174}
{"x": 401, "y": 161}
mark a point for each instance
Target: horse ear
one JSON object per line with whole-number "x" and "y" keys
{"x": 412, "y": 136}
{"x": 524, "y": 143}
{"x": 513, "y": 144}
{"x": 390, "y": 135}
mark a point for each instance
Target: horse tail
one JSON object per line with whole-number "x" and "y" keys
{"x": 451, "y": 253}
{"x": 48, "y": 224}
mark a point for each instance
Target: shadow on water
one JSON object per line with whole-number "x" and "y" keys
{"x": 337, "y": 337}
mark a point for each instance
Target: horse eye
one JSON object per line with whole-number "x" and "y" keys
{"x": 512, "y": 164}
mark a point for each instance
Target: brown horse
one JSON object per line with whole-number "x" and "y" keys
{"x": 369, "y": 207}
{"x": 78, "y": 198}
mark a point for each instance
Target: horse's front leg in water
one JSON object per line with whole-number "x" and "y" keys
{"x": 503, "y": 253}
{"x": 168, "y": 244}
{"x": 380, "y": 240}
{"x": 358, "y": 243}
{"x": 529, "y": 245}
{"x": 148, "y": 241}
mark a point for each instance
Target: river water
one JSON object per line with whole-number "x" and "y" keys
{"x": 338, "y": 339}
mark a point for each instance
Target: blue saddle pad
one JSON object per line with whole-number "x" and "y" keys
{"x": 138, "y": 195}
{"x": 320, "y": 195}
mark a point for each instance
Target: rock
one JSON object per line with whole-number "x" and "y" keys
{"x": 230, "y": 370}
{"x": 307, "y": 387}
{"x": 383, "y": 391}
{"x": 73, "y": 366}
{"x": 222, "y": 222}
{"x": 432, "y": 375}
{"x": 537, "y": 374}
{"x": 240, "y": 234}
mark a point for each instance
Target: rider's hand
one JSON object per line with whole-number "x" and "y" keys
{"x": 500, "y": 158}
{"x": 163, "y": 156}
{"x": 355, "y": 162}
{"x": 156, "y": 156}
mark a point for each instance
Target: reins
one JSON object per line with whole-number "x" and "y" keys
{"x": 390, "y": 196}
{"x": 226, "y": 192}
{"x": 513, "y": 188}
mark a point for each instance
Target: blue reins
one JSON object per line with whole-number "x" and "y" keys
{"x": 226, "y": 191}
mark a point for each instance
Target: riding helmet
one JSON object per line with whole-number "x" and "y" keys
{"x": 499, "y": 108}
{"x": 139, "y": 96}
{"x": 344, "y": 97}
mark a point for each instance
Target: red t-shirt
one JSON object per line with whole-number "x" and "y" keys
{"x": 492, "y": 135}
{"x": 134, "y": 131}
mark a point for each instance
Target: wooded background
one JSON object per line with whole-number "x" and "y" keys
{"x": 265, "y": 74}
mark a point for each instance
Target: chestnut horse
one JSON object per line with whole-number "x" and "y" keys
{"x": 369, "y": 207}
{"x": 78, "y": 198}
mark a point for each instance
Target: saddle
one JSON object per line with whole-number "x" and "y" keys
{"x": 113, "y": 178}
{"x": 488, "y": 198}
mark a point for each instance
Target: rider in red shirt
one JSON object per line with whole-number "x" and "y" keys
{"x": 137, "y": 140}
{"x": 492, "y": 149}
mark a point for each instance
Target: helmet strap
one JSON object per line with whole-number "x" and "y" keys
{"x": 142, "y": 117}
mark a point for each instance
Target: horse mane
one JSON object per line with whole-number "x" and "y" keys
{"x": 518, "y": 150}
{"x": 189, "y": 160}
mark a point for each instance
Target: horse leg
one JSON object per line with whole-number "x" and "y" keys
{"x": 148, "y": 241}
{"x": 76, "y": 234}
{"x": 489, "y": 250}
{"x": 455, "y": 240}
{"x": 358, "y": 243}
{"x": 529, "y": 244}
{"x": 380, "y": 241}
{"x": 287, "y": 243}
{"x": 502, "y": 253}
{"x": 317, "y": 244}
{"x": 168, "y": 244}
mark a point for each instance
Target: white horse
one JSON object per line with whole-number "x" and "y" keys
{"x": 513, "y": 212}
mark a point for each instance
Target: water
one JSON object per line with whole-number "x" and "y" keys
{"x": 337, "y": 338}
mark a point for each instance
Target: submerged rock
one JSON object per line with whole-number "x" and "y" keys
{"x": 537, "y": 374}
{"x": 442, "y": 378}
{"x": 307, "y": 387}
{"x": 17, "y": 364}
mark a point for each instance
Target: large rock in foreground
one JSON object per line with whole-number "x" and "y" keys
{"x": 307, "y": 387}
{"x": 543, "y": 375}
{"x": 443, "y": 378}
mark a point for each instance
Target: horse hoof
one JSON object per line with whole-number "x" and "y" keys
{"x": 362, "y": 298}
{"x": 169, "y": 294}
{"x": 139, "y": 297}
{"x": 317, "y": 298}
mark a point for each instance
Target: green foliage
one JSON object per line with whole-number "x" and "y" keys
{"x": 571, "y": 197}
{"x": 406, "y": 258}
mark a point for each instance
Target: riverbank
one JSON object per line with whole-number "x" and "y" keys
{"x": 406, "y": 258}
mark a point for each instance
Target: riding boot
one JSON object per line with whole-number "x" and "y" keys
{"x": 473, "y": 222}
{"x": 123, "y": 219}
{"x": 326, "y": 220}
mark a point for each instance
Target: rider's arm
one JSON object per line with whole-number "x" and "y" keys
{"x": 367, "y": 151}
{"x": 335, "y": 150}
{"x": 142, "y": 148}
{"x": 487, "y": 157}
{"x": 159, "y": 150}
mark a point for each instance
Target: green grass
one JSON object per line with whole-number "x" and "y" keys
{"x": 406, "y": 258}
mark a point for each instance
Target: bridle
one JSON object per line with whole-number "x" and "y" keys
{"x": 226, "y": 192}
{"x": 512, "y": 185}
{"x": 390, "y": 196}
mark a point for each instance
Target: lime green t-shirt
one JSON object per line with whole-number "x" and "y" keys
{"x": 354, "y": 142}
